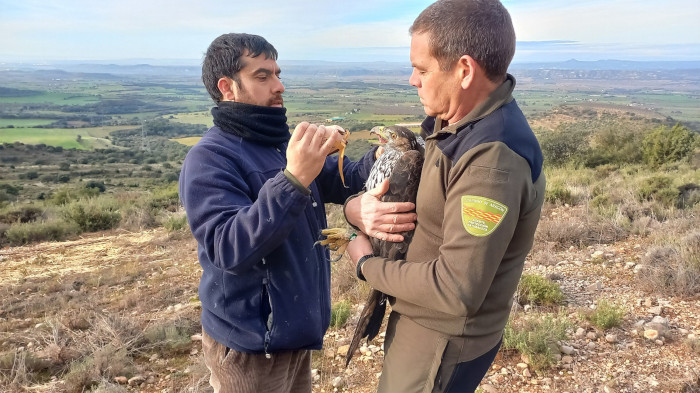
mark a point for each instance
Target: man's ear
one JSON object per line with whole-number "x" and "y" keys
{"x": 227, "y": 88}
{"x": 466, "y": 69}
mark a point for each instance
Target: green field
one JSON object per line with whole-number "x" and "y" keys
{"x": 24, "y": 122}
{"x": 54, "y": 98}
{"x": 94, "y": 137}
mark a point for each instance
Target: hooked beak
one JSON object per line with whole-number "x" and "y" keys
{"x": 380, "y": 132}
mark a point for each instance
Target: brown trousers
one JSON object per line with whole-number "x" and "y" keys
{"x": 240, "y": 372}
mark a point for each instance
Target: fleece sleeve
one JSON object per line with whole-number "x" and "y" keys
{"x": 236, "y": 228}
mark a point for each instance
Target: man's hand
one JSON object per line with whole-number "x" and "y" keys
{"x": 382, "y": 220}
{"x": 307, "y": 150}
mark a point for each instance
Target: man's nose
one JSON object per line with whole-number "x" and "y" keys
{"x": 414, "y": 80}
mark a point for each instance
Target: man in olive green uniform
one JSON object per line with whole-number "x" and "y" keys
{"x": 478, "y": 205}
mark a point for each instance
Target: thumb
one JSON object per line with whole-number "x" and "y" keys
{"x": 380, "y": 190}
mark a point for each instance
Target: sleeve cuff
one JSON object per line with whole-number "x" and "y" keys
{"x": 361, "y": 262}
{"x": 297, "y": 184}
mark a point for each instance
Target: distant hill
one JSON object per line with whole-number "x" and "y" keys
{"x": 304, "y": 68}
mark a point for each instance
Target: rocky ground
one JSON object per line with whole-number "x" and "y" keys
{"x": 648, "y": 352}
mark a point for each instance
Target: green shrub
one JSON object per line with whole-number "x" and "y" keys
{"x": 175, "y": 223}
{"x": 606, "y": 315}
{"x": 32, "y": 232}
{"x": 674, "y": 268}
{"x": 558, "y": 193}
{"x": 663, "y": 145}
{"x": 536, "y": 336}
{"x": 167, "y": 198}
{"x": 563, "y": 146}
{"x": 93, "y": 215}
{"x": 660, "y": 189}
{"x": 534, "y": 289}
{"x": 340, "y": 312}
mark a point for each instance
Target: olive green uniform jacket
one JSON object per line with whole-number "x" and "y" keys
{"x": 478, "y": 205}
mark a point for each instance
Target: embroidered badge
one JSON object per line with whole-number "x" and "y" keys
{"x": 481, "y": 216}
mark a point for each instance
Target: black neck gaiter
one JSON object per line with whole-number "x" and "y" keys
{"x": 261, "y": 124}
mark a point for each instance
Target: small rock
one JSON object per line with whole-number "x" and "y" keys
{"x": 154, "y": 357}
{"x": 580, "y": 333}
{"x": 136, "y": 381}
{"x": 525, "y": 359}
{"x": 591, "y": 345}
{"x": 630, "y": 265}
{"x": 329, "y": 353}
{"x": 196, "y": 337}
{"x": 611, "y": 338}
{"x": 639, "y": 268}
{"x": 337, "y": 382}
{"x": 656, "y": 310}
{"x": 526, "y": 373}
{"x": 567, "y": 359}
{"x": 592, "y": 335}
{"x": 121, "y": 380}
{"x": 343, "y": 350}
{"x": 683, "y": 332}
{"x": 651, "y": 334}
{"x": 488, "y": 388}
{"x": 521, "y": 365}
{"x": 659, "y": 342}
{"x": 597, "y": 254}
{"x": 567, "y": 350}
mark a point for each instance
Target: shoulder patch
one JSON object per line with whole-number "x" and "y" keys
{"x": 481, "y": 216}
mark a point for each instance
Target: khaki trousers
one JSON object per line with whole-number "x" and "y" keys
{"x": 240, "y": 372}
{"x": 420, "y": 360}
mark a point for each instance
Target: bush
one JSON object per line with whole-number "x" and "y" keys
{"x": 340, "y": 312}
{"x": 536, "y": 337}
{"x": 664, "y": 145}
{"x": 673, "y": 269}
{"x": 557, "y": 192}
{"x": 606, "y": 315}
{"x": 93, "y": 215}
{"x": 659, "y": 189}
{"x": 176, "y": 223}
{"x": 562, "y": 147}
{"x": 534, "y": 289}
{"x": 55, "y": 230}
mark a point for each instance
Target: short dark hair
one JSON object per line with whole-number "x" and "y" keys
{"x": 481, "y": 29}
{"x": 224, "y": 58}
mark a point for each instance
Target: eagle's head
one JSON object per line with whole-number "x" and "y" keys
{"x": 398, "y": 137}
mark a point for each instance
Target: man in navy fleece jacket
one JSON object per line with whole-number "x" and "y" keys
{"x": 254, "y": 197}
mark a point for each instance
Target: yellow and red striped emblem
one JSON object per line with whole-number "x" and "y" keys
{"x": 481, "y": 216}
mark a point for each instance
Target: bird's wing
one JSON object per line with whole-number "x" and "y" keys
{"x": 382, "y": 168}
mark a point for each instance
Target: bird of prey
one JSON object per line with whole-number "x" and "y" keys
{"x": 401, "y": 162}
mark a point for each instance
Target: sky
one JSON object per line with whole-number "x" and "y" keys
{"x": 358, "y": 30}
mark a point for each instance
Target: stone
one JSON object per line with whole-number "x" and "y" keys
{"x": 122, "y": 380}
{"x": 656, "y": 310}
{"x": 196, "y": 337}
{"x": 651, "y": 334}
{"x": 592, "y": 335}
{"x": 611, "y": 338}
{"x": 567, "y": 359}
{"x": 329, "y": 353}
{"x": 591, "y": 345}
{"x": 337, "y": 382}
{"x": 526, "y": 373}
{"x": 521, "y": 365}
{"x": 580, "y": 333}
{"x": 596, "y": 286}
{"x": 136, "y": 381}
{"x": 567, "y": 350}
{"x": 343, "y": 350}
{"x": 488, "y": 388}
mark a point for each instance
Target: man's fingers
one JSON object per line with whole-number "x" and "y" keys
{"x": 299, "y": 130}
{"x": 380, "y": 190}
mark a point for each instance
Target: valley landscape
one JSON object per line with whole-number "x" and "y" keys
{"x": 99, "y": 272}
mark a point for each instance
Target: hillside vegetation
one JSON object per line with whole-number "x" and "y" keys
{"x": 98, "y": 285}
